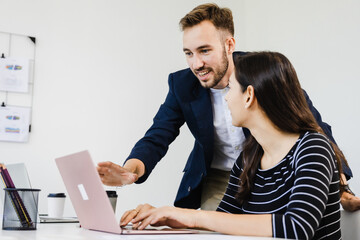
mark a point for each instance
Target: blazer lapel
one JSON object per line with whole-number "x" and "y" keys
{"x": 203, "y": 113}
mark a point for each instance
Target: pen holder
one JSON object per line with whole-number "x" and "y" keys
{"x": 20, "y": 209}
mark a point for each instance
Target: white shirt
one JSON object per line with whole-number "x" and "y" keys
{"x": 228, "y": 139}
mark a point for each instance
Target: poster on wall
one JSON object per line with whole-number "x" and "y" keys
{"x": 14, "y": 123}
{"x": 14, "y": 74}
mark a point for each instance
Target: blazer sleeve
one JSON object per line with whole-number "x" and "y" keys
{"x": 165, "y": 128}
{"x": 327, "y": 129}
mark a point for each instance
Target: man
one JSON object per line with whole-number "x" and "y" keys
{"x": 196, "y": 96}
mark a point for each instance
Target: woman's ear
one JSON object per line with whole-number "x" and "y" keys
{"x": 249, "y": 96}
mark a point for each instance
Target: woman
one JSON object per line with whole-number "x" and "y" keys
{"x": 286, "y": 181}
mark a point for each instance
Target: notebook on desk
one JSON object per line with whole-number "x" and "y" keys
{"x": 44, "y": 218}
{"x": 89, "y": 198}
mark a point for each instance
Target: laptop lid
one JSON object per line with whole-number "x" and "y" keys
{"x": 19, "y": 175}
{"x": 87, "y": 193}
{"x": 90, "y": 200}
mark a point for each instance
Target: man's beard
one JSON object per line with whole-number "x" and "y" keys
{"x": 219, "y": 73}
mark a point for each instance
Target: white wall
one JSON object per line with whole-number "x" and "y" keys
{"x": 102, "y": 66}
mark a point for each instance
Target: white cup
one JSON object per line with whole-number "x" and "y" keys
{"x": 56, "y": 203}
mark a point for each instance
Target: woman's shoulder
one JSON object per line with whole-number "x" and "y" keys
{"x": 313, "y": 146}
{"x": 313, "y": 139}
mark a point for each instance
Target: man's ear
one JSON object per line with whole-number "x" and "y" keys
{"x": 230, "y": 45}
{"x": 249, "y": 96}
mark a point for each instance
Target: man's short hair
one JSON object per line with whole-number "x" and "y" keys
{"x": 221, "y": 17}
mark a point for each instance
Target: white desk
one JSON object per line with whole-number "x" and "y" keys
{"x": 350, "y": 223}
{"x": 71, "y": 231}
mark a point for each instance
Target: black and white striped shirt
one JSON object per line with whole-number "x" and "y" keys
{"x": 301, "y": 192}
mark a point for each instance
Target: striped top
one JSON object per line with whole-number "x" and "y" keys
{"x": 301, "y": 192}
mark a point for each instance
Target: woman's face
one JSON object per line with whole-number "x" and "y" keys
{"x": 236, "y": 99}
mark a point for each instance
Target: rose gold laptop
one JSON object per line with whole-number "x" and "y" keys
{"x": 89, "y": 198}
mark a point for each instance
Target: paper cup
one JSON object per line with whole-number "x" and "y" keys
{"x": 56, "y": 202}
{"x": 112, "y": 195}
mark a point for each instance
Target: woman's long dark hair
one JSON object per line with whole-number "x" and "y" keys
{"x": 279, "y": 94}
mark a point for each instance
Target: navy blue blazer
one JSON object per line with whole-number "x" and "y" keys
{"x": 188, "y": 102}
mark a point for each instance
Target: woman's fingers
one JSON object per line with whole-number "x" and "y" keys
{"x": 128, "y": 216}
{"x": 147, "y": 220}
{"x": 146, "y": 214}
{"x": 154, "y": 216}
{"x": 136, "y": 215}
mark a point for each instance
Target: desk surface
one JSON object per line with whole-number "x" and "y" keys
{"x": 72, "y": 231}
